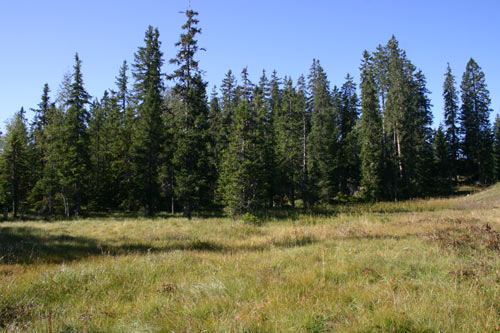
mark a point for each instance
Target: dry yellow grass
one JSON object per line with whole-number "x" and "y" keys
{"x": 415, "y": 266}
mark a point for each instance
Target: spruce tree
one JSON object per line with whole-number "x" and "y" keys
{"x": 241, "y": 183}
{"x": 228, "y": 101}
{"x": 306, "y": 128}
{"x": 420, "y": 145}
{"x": 451, "y": 110}
{"x": 475, "y": 124}
{"x": 289, "y": 133}
{"x": 406, "y": 123}
{"x": 122, "y": 120}
{"x": 148, "y": 130}
{"x": 396, "y": 107}
{"x": 14, "y": 163}
{"x": 267, "y": 96}
{"x": 371, "y": 134}
{"x": 76, "y": 163}
{"x": 104, "y": 130}
{"x": 217, "y": 140}
{"x": 49, "y": 187}
{"x": 267, "y": 141}
{"x": 122, "y": 85}
{"x": 38, "y": 144}
{"x": 348, "y": 152}
{"x": 191, "y": 157}
{"x": 41, "y": 114}
{"x": 323, "y": 138}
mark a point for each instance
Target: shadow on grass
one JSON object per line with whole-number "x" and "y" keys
{"x": 27, "y": 245}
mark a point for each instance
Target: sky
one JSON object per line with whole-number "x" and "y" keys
{"x": 39, "y": 39}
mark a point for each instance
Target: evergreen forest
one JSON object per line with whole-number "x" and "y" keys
{"x": 166, "y": 142}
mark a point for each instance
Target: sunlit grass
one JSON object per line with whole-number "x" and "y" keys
{"x": 413, "y": 266}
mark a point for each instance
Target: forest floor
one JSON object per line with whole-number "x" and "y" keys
{"x": 414, "y": 266}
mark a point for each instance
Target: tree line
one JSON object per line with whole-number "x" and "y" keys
{"x": 160, "y": 143}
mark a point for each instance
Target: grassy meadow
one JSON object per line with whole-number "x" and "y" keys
{"x": 415, "y": 266}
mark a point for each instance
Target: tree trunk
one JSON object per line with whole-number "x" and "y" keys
{"x": 303, "y": 183}
{"x": 66, "y": 205}
{"x": 187, "y": 209}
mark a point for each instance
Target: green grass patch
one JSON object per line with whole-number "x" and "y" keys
{"x": 413, "y": 266}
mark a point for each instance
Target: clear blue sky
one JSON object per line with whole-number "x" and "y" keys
{"x": 39, "y": 39}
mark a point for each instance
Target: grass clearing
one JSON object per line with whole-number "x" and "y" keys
{"x": 414, "y": 266}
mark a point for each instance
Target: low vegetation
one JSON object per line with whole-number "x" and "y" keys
{"x": 416, "y": 266}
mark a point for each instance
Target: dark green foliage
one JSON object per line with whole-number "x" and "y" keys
{"x": 371, "y": 136}
{"x": 148, "y": 130}
{"x": 14, "y": 164}
{"x": 105, "y": 128}
{"x": 40, "y": 120}
{"x": 475, "y": 124}
{"x": 289, "y": 134}
{"x": 267, "y": 97}
{"x": 38, "y": 147}
{"x": 306, "y": 128}
{"x": 242, "y": 185}
{"x": 191, "y": 156}
{"x": 348, "y": 152}
{"x": 191, "y": 133}
{"x": 76, "y": 159}
{"x": 250, "y": 148}
{"x": 48, "y": 190}
{"x": 443, "y": 162}
{"x": 218, "y": 141}
{"x": 229, "y": 101}
{"x": 122, "y": 122}
{"x": 122, "y": 85}
{"x": 451, "y": 110}
{"x": 265, "y": 121}
{"x": 323, "y": 138}
{"x": 496, "y": 149}
{"x": 420, "y": 144}
{"x": 406, "y": 122}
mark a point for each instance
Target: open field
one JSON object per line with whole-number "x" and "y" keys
{"x": 417, "y": 266}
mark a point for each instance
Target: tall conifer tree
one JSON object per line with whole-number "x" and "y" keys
{"x": 451, "y": 110}
{"x": 76, "y": 140}
{"x": 241, "y": 183}
{"x": 14, "y": 163}
{"x": 323, "y": 136}
{"x": 348, "y": 152}
{"x": 191, "y": 157}
{"x": 148, "y": 130}
{"x": 475, "y": 123}
{"x": 289, "y": 132}
{"x": 372, "y": 154}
